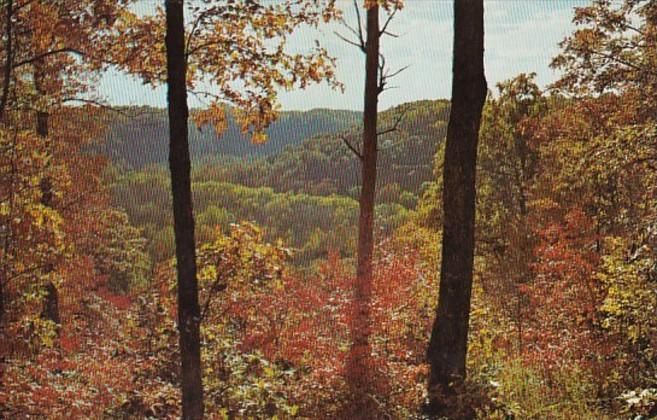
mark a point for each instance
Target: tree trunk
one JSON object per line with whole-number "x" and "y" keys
{"x": 449, "y": 336}
{"x": 180, "y": 166}
{"x": 7, "y": 237}
{"x": 9, "y": 57}
{"x": 360, "y": 352}
{"x": 50, "y": 309}
{"x": 3, "y": 280}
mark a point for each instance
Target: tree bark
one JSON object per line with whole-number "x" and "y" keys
{"x": 448, "y": 344}
{"x": 360, "y": 375}
{"x": 50, "y": 309}
{"x": 9, "y": 57}
{"x": 7, "y": 235}
{"x": 3, "y": 280}
{"x": 180, "y": 166}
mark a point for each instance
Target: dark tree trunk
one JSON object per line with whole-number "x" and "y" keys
{"x": 50, "y": 309}
{"x": 2, "y": 301}
{"x": 360, "y": 351}
{"x": 7, "y": 238}
{"x": 9, "y": 56}
{"x": 3, "y": 276}
{"x": 183, "y": 218}
{"x": 449, "y": 336}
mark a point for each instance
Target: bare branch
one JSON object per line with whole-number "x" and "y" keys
{"x": 352, "y": 148}
{"x": 395, "y": 73}
{"x": 382, "y": 78}
{"x": 385, "y": 75}
{"x": 391, "y": 35}
{"x": 188, "y": 42}
{"x": 395, "y": 126}
{"x": 357, "y": 34}
{"x": 361, "y": 37}
{"x": 620, "y": 61}
{"x": 217, "y": 286}
{"x": 348, "y": 41}
{"x": 390, "y": 87}
{"x": 360, "y": 42}
{"x": 632, "y": 28}
{"x": 199, "y": 94}
{"x": 382, "y": 63}
{"x": 387, "y": 22}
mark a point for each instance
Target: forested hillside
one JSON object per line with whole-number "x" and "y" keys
{"x": 311, "y": 225}
{"x": 304, "y": 194}
{"x": 138, "y": 136}
{"x": 323, "y": 165}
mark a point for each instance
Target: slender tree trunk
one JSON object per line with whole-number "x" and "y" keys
{"x": 449, "y": 336}
{"x": 9, "y": 56}
{"x": 360, "y": 352}
{"x": 183, "y": 218}
{"x": 6, "y": 240}
{"x": 3, "y": 280}
{"x": 50, "y": 309}
{"x": 8, "y": 234}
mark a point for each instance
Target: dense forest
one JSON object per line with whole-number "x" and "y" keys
{"x": 492, "y": 255}
{"x": 306, "y": 194}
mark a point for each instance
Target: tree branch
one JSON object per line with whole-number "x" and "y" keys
{"x": 348, "y": 41}
{"x": 352, "y": 148}
{"x": 217, "y": 286}
{"x": 395, "y": 73}
{"x": 387, "y": 22}
{"x": 192, "y": 32}
{"x": 358, "y": 35}
{"x": 385, "y": 75}
{"x": 633, "y": 28}
{"x": 395, "y": 126}
{"x": 382, "y": 79}
{"x": 101, "y": 105}
{"x": 360, "y": 38}
{"x": 620, "y": 61}
{"x": 47, "y": 54}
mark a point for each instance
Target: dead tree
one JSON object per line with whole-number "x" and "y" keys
{"x": 367, "y": 40}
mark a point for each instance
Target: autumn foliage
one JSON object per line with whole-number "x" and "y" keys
{"x": 562, "y": 320}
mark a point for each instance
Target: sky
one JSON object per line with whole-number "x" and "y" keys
{"x": 521, "y": 36}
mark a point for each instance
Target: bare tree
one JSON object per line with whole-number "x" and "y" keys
{"x": 368, "y": 38}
